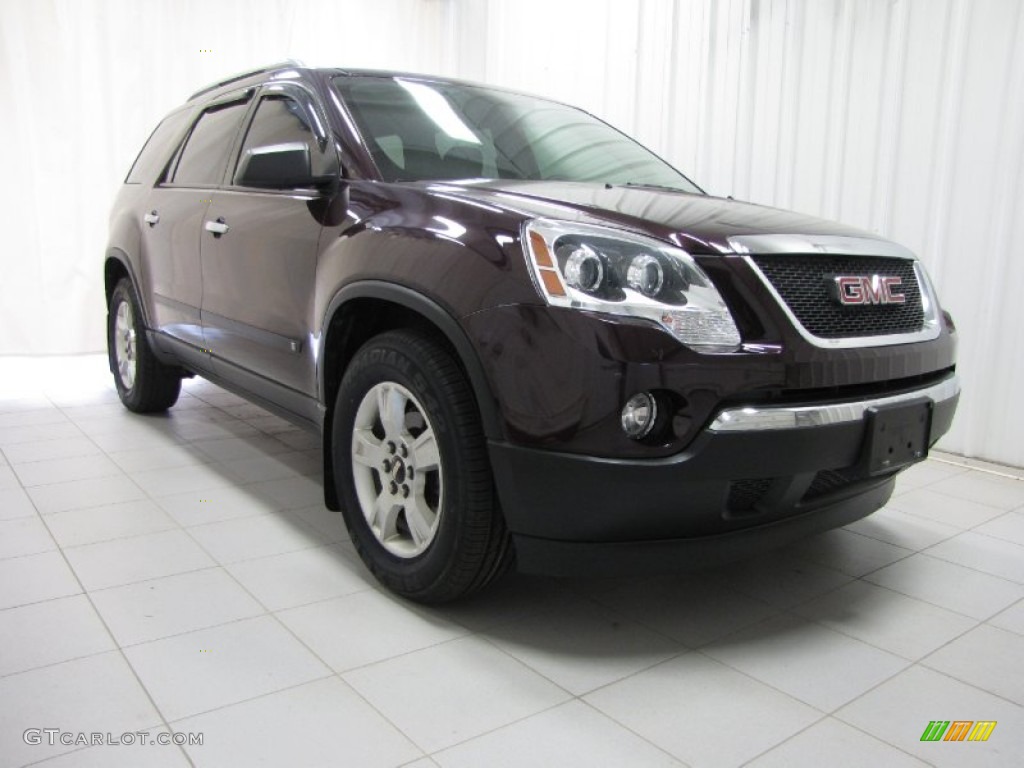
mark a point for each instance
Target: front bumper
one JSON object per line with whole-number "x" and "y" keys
{"x": 755, "y": 478}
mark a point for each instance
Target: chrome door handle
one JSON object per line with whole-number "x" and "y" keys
{"x": 217, "y": 227}
{"x": 152, "y": 218}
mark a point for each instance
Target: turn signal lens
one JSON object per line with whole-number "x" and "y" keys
{"x": 551, "y": 282}
{"x": 541, "y": 254}
{"x": 545, "y": 266}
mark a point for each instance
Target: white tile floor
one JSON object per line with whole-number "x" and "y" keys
{"x": 179, "y": 574}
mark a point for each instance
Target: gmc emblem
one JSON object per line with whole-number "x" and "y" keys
{"x": 856, "y": 290}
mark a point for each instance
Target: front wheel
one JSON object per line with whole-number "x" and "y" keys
{"x": 411, "y": 464}
{"x": 144, "y": 384}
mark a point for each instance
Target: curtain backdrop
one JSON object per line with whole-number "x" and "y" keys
{"x": 904, "y": 117}
{"x": 84, "y": 82}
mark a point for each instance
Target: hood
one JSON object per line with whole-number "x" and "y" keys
{"x": 698, "y": 223}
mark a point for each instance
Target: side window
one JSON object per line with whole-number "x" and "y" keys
{"x": 158, "y": 149}
{"x": 205, "y": 154}
{"x": 282, "y": 120}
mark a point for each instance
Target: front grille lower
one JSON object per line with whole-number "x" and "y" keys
{"x": 803, "y": 281}
{"x": 829, "y": 481}
{"x": 744, "y": 494}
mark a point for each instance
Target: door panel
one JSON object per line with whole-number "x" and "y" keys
{"x": 259, "y": 285}
{"x": 259, "y": 254}
{"x": 172, "y": 260}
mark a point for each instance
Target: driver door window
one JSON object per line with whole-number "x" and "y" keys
{"x": 282, "y": 120}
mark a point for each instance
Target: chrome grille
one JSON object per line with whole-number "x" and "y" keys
{"x": 803, "y": 281}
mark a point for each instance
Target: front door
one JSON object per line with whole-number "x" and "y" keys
{"x": 259, "y": 257}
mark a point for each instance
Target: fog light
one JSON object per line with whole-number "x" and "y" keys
{"x": 639, "y": 414}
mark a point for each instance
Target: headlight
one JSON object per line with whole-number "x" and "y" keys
{"x": 607, "y": 270}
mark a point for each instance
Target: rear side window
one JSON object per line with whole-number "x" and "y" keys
{"x": 205, "y": 154}
{"x": 158, "y": 148}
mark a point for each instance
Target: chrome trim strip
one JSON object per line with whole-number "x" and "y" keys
{"x": 832, "y": 244}
{"x": 794, "y": 417}
{"x": 929, "y": 331}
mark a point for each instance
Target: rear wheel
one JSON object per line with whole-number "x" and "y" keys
{"x": 144, "y": 384}
{"x": 411, "y": 464}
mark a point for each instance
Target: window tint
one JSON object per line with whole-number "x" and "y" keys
{"x": 425, "y": 131}
{"x": 282, "y": 120}
{"x": 205, "y": 154}
{"x": 158, "y": 149}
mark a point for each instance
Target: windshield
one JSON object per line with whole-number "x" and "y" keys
{"x": 420, "y": 131}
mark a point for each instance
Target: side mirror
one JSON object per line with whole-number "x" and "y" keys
{"x": 278, "y": 166}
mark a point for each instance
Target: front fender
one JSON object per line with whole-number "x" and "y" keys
{"x": 440, "y": 319}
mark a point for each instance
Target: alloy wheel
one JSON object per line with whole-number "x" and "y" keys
{"x": 124, "y": 344}
{"x": 396, "y": 467}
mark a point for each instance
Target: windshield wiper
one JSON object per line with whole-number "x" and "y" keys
{"x": 644, "y": 185}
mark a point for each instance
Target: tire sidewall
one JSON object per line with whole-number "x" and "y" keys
{"x": 374, "y": 364}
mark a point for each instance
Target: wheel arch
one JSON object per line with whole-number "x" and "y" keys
{"x": 360, "y": 311}
{"x": 116, "y": 266}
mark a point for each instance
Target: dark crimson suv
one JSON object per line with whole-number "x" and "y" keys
{"x": 524, "y": 338}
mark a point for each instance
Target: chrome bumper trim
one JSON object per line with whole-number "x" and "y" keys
{"x": 793, "y": 417}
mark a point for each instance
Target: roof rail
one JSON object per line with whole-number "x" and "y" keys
{"x": 248, "y": 73}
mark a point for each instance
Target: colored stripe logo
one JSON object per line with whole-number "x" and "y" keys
{"x": 958, "y": 730}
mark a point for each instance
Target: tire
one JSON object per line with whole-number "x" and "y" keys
{"x": 411, "y": 465}
{"x": 144, "y": 384}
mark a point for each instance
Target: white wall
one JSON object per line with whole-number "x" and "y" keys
{"x": 905, "y": 117}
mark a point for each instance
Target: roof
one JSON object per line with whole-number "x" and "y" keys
{"x": 293, "y": 64}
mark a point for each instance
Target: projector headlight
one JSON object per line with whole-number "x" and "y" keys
{"x": 608, "y": 270}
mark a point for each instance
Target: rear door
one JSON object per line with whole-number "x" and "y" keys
{"x": 259, "y": 256}
{"x": 173, "y": 218}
